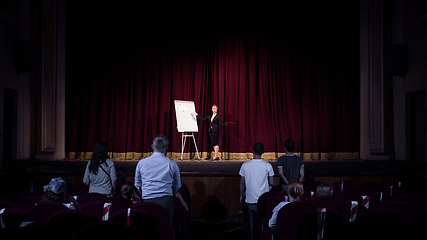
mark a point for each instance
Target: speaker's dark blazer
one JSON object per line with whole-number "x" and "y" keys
{"x": 213, "y": 127}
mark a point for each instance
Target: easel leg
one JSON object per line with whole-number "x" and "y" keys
{"x": 183, "y": 137}
{"x": 194, "y": 140}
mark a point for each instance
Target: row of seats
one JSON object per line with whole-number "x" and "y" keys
{"x": 407, "y": 208}
{"x": 26, "y": 207}
{"x": 150, "y": 220}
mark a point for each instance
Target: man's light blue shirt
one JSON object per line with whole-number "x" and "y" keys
{"x": 156, "y": 176}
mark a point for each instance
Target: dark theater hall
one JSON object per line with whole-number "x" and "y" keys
{"x": 226, "y": 119}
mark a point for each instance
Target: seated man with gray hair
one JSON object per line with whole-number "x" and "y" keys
{"x": 157, "y": 177}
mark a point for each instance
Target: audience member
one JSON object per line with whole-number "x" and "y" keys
{"x": 100, "y": 174}
{"x": 289, "y": 166}
{"x": 128, "y": 191}
{"x": 294, "y": 191}
{"x": 256, "y": 178}
{"x": 121, "y": 179}
{"x": 323, "y": 190}
{"x": 56, "y": 193}
{"x": 157, "y": 177}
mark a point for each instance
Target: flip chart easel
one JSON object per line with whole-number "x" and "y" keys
{"x": 186, "y": 122}
{"x": 183, "y": 139}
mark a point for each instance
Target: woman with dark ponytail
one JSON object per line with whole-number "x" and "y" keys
{"x": 100, "y": 174}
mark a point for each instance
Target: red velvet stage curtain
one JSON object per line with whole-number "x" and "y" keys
{"x": 274, "y": 78}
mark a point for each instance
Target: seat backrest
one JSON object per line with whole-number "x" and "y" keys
{"x": 29, "y": 201}
{"x": 308, "y": 227}
{"x": 289, "y": 217}
{"x": 12, "y": 216}
{"x": 374, "y": 202}
{"x": 44, "y": 210}
{"x": 142, "y": 221}
{"x": 264, "y": 199}
{"x": 68, "y": 221}
{"x": 95, "y": 208}
{"x": 117, "y": 203}
{"x": 307, "y": 195}
{"x": 159, "y": 212}
{"x": 7, "y": 204}
{"x": 271, "y": 205}
{"x": 344, "y": 207}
